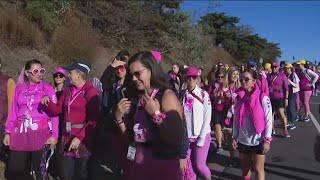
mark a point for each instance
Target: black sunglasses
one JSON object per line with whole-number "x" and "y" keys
{"x": 191, "y": 77}
{"x": 245, "y": 79}
{"x": 58, "y": 75}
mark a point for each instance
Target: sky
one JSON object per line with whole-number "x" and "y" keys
{"x": 295, "y": 25}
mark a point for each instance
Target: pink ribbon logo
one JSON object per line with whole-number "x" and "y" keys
{"x": 189, "y": 103}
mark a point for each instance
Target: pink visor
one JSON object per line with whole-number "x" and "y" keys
{"x": 60, "y": 70}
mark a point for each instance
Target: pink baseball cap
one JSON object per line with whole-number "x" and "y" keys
{"x": 275, "y": 64}
{"x": 157, "y": 55}
{"x": 192, "y": 71}
{"x": 60, "y": 70}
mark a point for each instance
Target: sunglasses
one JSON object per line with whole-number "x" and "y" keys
{"x": 120, "y": 68}
{"x": 191, "y": 77}
{"x": 36, "y": 72}
{"x": 273, "y": 67}
{"x": 58, "y": 75}
{"x": 138, "y": 73}
{"x": 245, "y": 79}
{"x": 220, "y": 77}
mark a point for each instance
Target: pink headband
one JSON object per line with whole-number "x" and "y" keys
{"x": 157, "y": 55}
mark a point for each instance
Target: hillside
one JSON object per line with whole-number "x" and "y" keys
{"x": 59, "y": 31}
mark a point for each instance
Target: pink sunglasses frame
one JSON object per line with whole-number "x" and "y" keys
{"x": 39, "y": 71}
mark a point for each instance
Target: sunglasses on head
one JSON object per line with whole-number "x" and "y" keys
{"x": 36, "y": 72}
{"x": 245, "y": 79}
{"x": 58, "y": 75}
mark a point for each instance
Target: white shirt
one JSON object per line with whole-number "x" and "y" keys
{"x": 198, "y": 115}
{"x": 246, "y": 134}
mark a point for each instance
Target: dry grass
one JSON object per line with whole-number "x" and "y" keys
{"x": 74, "y": 40}
{"x": 16, "y": 30}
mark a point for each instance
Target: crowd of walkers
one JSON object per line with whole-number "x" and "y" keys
{"x": 158, "y": 124}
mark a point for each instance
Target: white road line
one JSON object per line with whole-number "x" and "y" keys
{"x": 315, "y": 122}
{"x": 314, "y": 102}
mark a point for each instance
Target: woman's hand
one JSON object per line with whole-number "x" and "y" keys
{"x": 123, "y": 107}
{"x": 286, "y": 103}
{"x": 183, "y": 165}
{"x": 150, "y": 105}
{"x": 266, "y": 147}
{"x": 234, "y": 144}
{"x": 117, "y": 63}
{"x": 52, "y": 141}
{"x": 6, "y": 140}
{"x": 45, "y": 100}
{"x": 75, "y": 143}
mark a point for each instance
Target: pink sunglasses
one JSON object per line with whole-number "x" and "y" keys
{"x": 36, "y": 72}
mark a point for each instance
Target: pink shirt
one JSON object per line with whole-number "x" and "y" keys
{"x": 26, "y": 105}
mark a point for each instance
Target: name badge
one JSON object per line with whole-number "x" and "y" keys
{"x": 131, "y": 155}
{"x": 68, "y": 126}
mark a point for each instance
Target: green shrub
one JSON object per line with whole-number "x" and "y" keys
{"x": 47, "y": 13}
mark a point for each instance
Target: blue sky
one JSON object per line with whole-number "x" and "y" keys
{"x": 293, "y": 24}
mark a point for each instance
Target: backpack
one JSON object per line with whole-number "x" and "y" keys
{"x": 96, "y": 83}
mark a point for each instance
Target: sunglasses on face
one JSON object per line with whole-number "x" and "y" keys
{"x": 220, "y": 77}
{"x": 191, "y": 77}
{"x": 36, "y": 72}
{"x": 138, "y": 73}
{"x": 58, "y": 75}
{"x": 120, "y": 68}
{"x": 245, "y": 79}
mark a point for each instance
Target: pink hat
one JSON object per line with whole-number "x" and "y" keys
{"x": 192, "y": 71}
{"x": 60, "y": 70}
{"x": 275, "y": 64}
{"x": 157, "y": 55}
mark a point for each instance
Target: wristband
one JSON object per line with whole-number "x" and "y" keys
{"x": 267, "y": 139}
{"x": 118, "y": 121}
{"x": 157, "y": 117}
{"x": 156, "y": 113}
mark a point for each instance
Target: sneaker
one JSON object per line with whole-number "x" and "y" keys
{"x": 273, "y": 132}
{"x": 297, "y": 118}
{"x": 291, "y": 126}
{"x": 219, "y": 149}
{"x": 307, "y": 119}
{"x": 286, "y": 134}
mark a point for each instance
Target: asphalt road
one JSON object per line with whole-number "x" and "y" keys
{"x": 289, "y": 158}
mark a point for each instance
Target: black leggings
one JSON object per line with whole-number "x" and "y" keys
{"x": 74, "y": 168}
{"x": 19, "y": 165}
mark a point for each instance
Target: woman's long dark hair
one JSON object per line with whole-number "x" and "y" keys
{"x": 158, "y": 77}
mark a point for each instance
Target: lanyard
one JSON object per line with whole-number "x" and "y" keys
{"x": 30, "y": 97}
{"x": 271, "y": 84}
{"x": 197, "y": 97}
{"x": 71, "y": 100}
{"x": 231, "y": 93}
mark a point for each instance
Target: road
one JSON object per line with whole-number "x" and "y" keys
{"x": 289, "y": 158}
